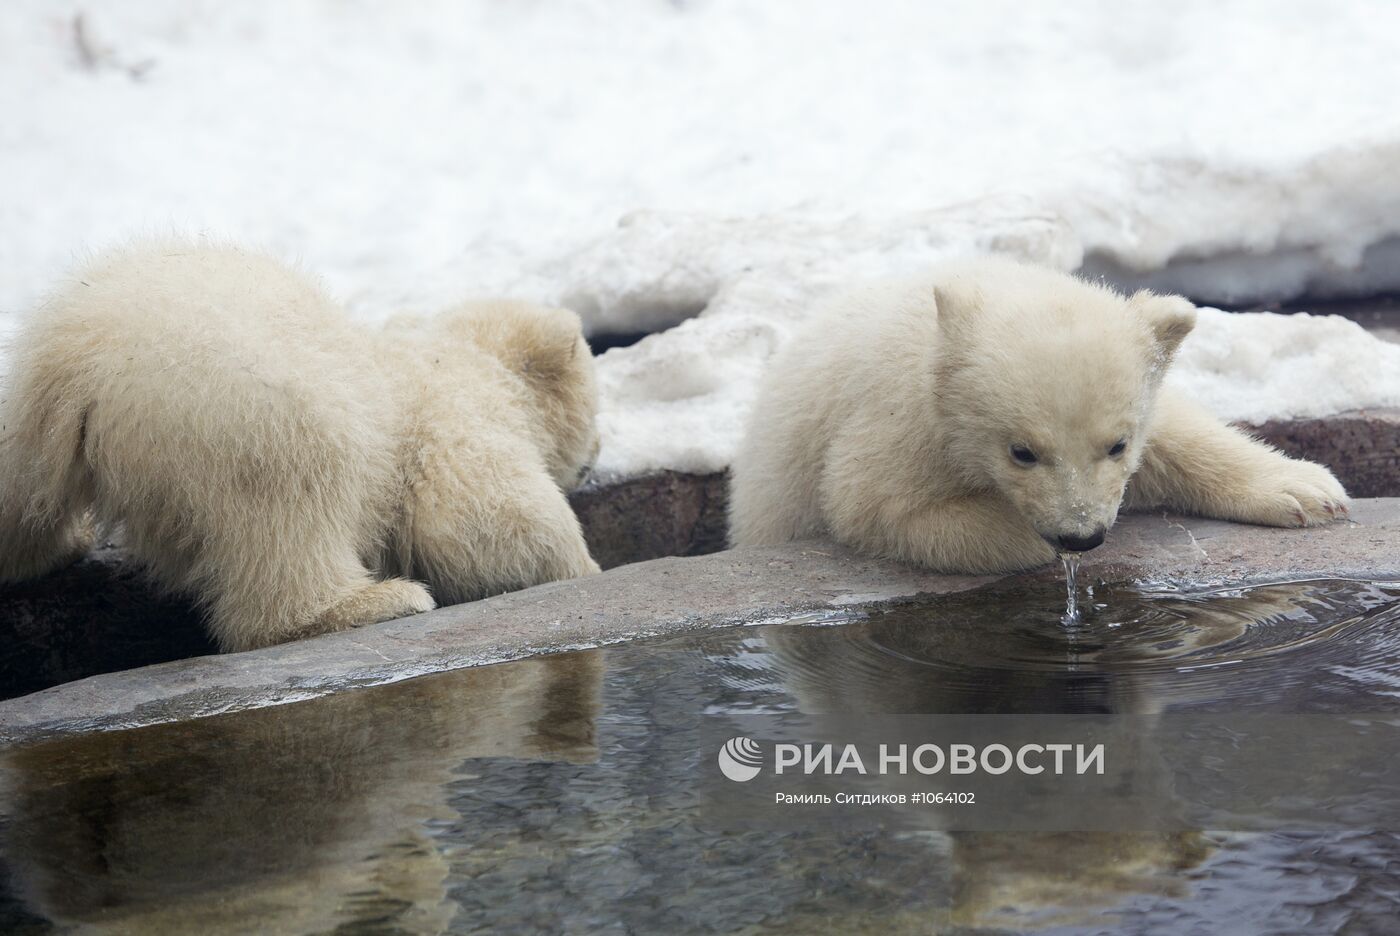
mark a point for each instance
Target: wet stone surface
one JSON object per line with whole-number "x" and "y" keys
{"x": 677, "y": 595}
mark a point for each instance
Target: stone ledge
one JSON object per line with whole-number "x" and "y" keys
{"x": 670, "y": 596}
{"x": 664, "y": 514}
{"x": 101, "y": 615}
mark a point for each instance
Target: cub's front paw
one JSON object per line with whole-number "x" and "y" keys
{"x": 1294, "y": 494}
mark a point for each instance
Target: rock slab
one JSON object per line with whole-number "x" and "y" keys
{"x": 669, "y": 596}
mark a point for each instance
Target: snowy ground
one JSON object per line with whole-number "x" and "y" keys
{"x": 719, "y": 164}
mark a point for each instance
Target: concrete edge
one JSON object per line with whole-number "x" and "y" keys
{"x": 672, "y": 596}
{"x": 654, "y": 598}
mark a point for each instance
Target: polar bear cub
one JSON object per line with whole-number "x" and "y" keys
{"x": 294, "y": 472}
{"x": 990, "y": 414}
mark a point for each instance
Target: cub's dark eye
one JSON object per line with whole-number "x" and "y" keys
{"x": 1023, "y": 455}
{"x": 1117, "y": 448}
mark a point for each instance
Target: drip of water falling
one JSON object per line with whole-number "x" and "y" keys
{"x": 1071, "y": 564}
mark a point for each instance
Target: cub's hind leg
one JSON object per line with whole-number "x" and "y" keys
{"x": 273, "y": 565}
{"x": 31, "y": 547}
{"x": 300, "y": 587}
{"x": 45, "y": 481}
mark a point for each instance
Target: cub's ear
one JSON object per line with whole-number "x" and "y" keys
{"x": 540, "y": 343}
{"x": 956, "y": 301}
{"x": 1171, "y": 318}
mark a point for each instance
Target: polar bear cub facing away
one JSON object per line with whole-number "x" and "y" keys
{"x": 292, "y": 471}
{"x": 990, "y": 414}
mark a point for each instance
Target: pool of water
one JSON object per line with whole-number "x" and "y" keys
{"x": 560, "y": 793}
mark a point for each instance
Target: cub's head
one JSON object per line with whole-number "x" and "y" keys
{"x": 1046, "y": 384}
{"x": 546, "y": 348}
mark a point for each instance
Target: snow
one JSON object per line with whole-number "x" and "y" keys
{"x": 1256, "y": 366}
{"x": 714, "y": 166}
{"x": 677, "y": 400}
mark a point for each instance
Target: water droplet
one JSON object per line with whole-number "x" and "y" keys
{"x": 1071, "y": 564}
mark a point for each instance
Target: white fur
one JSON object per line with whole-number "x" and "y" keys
{"x": 889, "y": 423}
{"x": 289, "y": 469}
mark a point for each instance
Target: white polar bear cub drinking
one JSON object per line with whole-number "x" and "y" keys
{"x": 292, "y": 471}
{"x": 990, "y": 414}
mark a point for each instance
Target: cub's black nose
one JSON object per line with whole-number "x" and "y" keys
{"x": 1081, "y": 543}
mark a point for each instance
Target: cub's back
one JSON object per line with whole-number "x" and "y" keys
{"x": 182, "y": 309}
{"x": 864, "y": 347}
{"x": 196, "y": 368}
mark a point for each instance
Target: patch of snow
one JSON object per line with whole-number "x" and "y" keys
{"x": 1223, "y": 232}
{"x": 1235, "y": 279}
{"x": 1255, "y": 366}
{"x": 678, "y": 400}
{"x": 758, "y": 154}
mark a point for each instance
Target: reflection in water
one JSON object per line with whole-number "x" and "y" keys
{"x": 1010, "y": 880}
{"x": 561, "y": 793}
{"x": 1127, "y": 653}
{"x": 287, "y": 818}
{"x": 1001, "y": 649}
